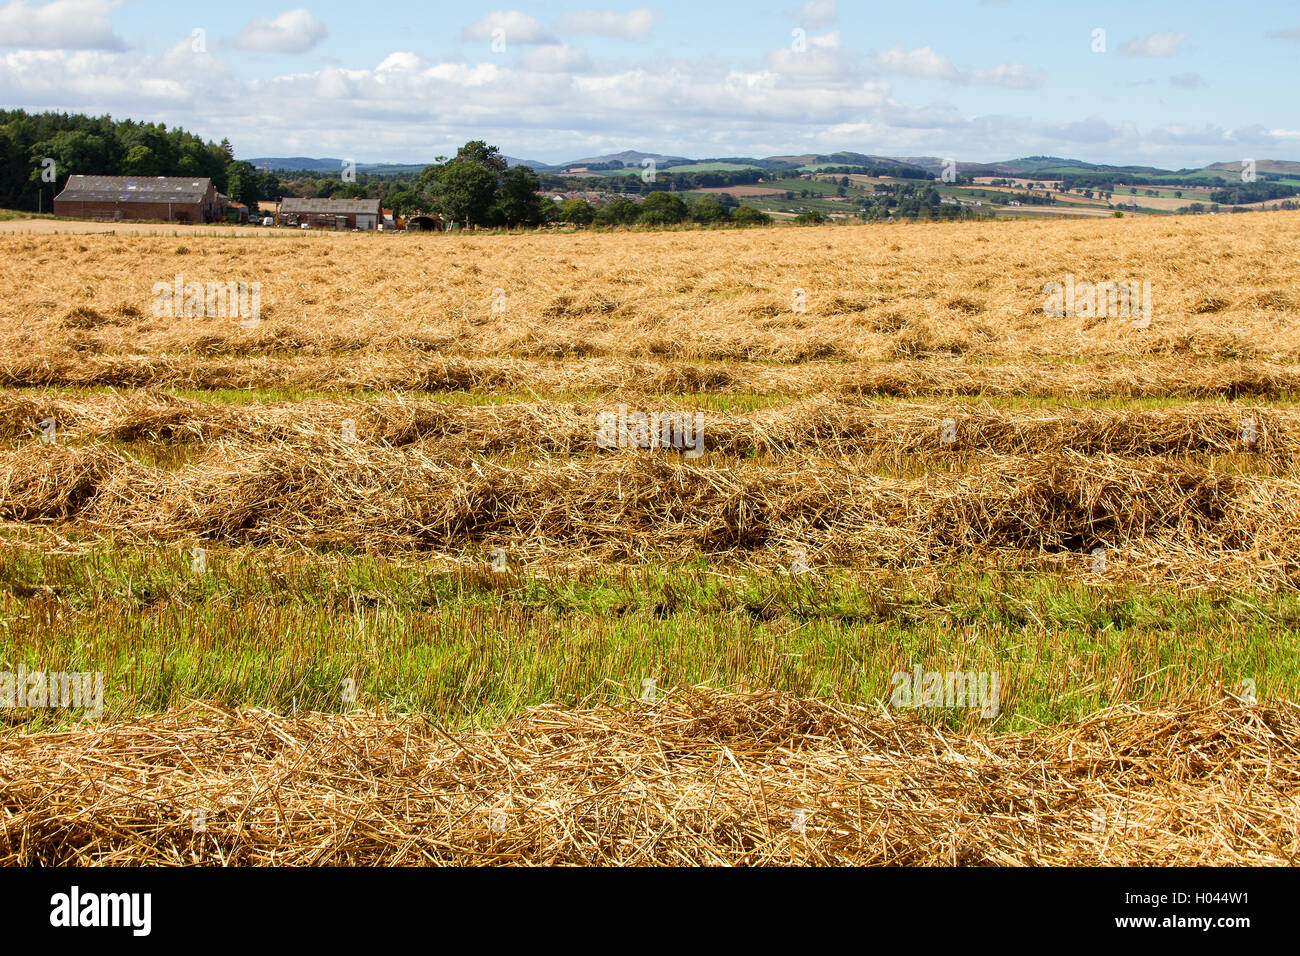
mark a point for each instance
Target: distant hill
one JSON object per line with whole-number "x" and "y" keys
{"x": 629, "y": 157}
{"x": 295, "y": 163}
{"x": 935, "y": 164}
{"x": 329, "y": 165}
{"x": 1282, "y": 167}
{"x": 837, "y": 159}
{"x": 1044, "y": 167}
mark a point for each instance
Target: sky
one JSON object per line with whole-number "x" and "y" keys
{"x": 1172, "y": 84}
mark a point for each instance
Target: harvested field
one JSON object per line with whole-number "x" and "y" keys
{"x": 363, "y": 571}
{"x": 870, "y": 293}
{"x": 699, "y": 778}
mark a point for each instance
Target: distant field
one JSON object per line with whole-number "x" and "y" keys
{"x": 741, "y": 190}
{"x": 816, "y": 186}
{"x": 1059, "y": 209}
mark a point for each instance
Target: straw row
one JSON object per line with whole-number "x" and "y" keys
{"x": 629, "y": 505}
{"x": 700, "y": 777}
{"x": 410, "y": 371}
{"x": 888, "y": 431}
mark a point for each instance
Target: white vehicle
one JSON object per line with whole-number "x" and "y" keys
{"x": 268, "y": 220}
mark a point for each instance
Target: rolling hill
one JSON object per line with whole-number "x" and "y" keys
{"x": 1046, "y": 167}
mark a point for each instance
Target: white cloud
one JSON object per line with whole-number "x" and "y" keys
{"x": 927, "y": 63}
{"x": 61, "y": 25}
{"x": 815, "y": 14}
{"x": 632, "y": 25}
{"x": 1213, "y": 136}
{"x": 1284, "y": 35}
{"x": 922, "y": 62}
{"x": 516, "y": 27}
{"x": 294, "y": 31}
{"x": 1157, "y": 44}
{"x": 404, "y": 61}
{"x": 556, "y": 58}
{"x": 1012, "y": 76}
{"x": 548, "y": 103}
{"x": 822, "y": 61}
{"x": 93, "y": 81}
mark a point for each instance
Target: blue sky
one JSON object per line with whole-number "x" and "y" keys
{"x": 1169, "y": 84}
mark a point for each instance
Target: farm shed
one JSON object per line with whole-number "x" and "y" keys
{"x": 424, "y": 223}
{"x": 329, "y": 213}
{"x": 157, "y": 198}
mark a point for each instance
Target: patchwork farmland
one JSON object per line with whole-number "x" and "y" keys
{"x": 364, "y": 585}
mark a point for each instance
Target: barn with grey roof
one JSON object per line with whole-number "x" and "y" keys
{"x": 330, "y": 213}
{"x": 153, "y": 198}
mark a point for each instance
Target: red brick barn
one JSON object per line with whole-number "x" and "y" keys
{"x": 153, "y": 198}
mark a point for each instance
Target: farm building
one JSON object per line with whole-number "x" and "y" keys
{"x": 233, "y": 211}
{"x": 159, "y": 198}
{"x": 422, "y": 222}
{"x": 329, "y": 213}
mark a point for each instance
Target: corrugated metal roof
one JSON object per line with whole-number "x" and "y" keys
{"x": 134, "y": 189}
{"x": 329, "y": 207}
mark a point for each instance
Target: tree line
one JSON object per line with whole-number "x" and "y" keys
{"x": 1251, "y": 192}
{"x": 477, "y": 187}
{"x": 39, "y": 151}
{"x": 448, "y": 186}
